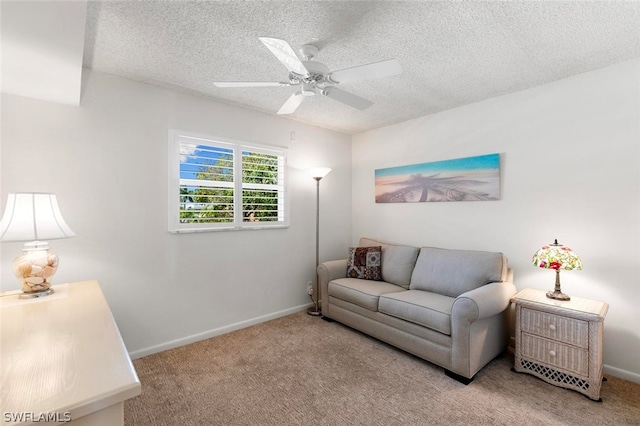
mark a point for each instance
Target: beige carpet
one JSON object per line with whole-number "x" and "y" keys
{"x": 302, "y": 370}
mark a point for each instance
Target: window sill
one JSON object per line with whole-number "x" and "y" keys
{"x": 225, "y": 229}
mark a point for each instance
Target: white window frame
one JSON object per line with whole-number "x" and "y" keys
{"x": 176, "y": 138}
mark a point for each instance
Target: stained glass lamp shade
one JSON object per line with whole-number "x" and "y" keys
{"x": 558, "y": 257}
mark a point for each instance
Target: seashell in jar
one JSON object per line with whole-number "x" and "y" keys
{"x": 52, "y": 260}
{"x": 34, "y": 280}
{"x": 47, "y": 271}
{"x": 35, "y": 269}
{"x": 30, "y": 288}
{"x": 40, "y": 261}
{"x": 23, "y": 269}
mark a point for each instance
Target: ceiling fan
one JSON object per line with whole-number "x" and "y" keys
{"x": 314, "y": 77}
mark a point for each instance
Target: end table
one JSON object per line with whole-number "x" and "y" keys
{"x": 560, "y": 341}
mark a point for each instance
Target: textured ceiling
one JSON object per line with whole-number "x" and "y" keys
{"x": 452, "y": 53}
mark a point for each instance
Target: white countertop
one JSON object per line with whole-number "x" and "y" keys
{"x": 62, "y": 353}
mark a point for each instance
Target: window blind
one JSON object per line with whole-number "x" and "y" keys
{"x": 225, "y": 185}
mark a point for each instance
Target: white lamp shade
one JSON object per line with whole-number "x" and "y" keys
{"x": 32, "y": 217}
{"x": 318, "y": 172}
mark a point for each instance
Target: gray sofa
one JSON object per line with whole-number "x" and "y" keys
{"x": 448, "y": 307}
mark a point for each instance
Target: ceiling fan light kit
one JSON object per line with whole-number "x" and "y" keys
{"x": 314, "y": 77}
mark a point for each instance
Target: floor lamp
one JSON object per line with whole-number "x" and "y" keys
{"x": 317, "y": 173}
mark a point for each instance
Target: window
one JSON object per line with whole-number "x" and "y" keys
{"x": 218, "y": 184}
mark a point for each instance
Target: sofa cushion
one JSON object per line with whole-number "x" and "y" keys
{"x": 364, "y": 263}
{"x": 453, "y": 272}
{"x": 397, "y": 261}
{"x": 424, "y": 308}
{"x": 361, "y": 292}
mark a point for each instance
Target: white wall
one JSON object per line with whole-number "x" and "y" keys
{"x": 41, "y": 45}
{"x": 107, "y": 162}
{"x": 570, "y": 169}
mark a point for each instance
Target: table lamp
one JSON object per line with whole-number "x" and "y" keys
{"x": 556, "y": 256}
{"x": 33, "y": 217}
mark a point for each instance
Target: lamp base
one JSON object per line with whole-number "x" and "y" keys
{"x": 313, "y": 311}
{"x": 35, "y": 294}
{"x": 35, "y": 267}
{"x": 558, "y": 295}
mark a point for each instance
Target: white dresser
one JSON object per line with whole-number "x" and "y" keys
{"x": 560, "y": 341}
{"x": 62, "y": 359}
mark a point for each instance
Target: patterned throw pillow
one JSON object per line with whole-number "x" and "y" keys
{"x": 365, "y": 263}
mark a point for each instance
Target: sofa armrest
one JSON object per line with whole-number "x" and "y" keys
{"x": 485, "y": 301}
{"x": 328, "y": 271}
{"x": 332, "y": 269}
{"x": 478, "y": 331}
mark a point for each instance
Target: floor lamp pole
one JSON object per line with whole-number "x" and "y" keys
{"x": 317, "y": 173}
{"x": 315, "y": 310}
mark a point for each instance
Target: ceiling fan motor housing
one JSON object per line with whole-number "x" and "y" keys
{"x": 315, "y": 67}
{"x": 316, "y": 78}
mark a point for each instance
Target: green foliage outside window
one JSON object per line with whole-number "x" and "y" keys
{"x": 213, "y": 203}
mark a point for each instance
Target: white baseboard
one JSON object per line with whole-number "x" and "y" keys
{"x": 215, "y": 332}
{"x": 621, "y": 374}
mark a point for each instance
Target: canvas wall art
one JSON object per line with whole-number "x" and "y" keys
{"x": 461, "y": 179}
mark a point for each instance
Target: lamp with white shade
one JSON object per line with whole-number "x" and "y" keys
{"x": 34, "y": 217}
{"x": 317, "y": 173}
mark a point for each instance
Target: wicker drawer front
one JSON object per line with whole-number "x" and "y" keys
{"x": 566, "y": 357}
{"x": 567, "y": 330}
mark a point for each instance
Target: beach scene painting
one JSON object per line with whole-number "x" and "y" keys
{"x": 461, "y": 179}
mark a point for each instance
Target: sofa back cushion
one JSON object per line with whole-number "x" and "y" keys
{"x": 398, "y": 261}
{"x": 453, "y": 272}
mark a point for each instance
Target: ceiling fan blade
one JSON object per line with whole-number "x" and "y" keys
{"x": 346, "y": 98}
{"x": 285, "y": 54}
{"x": 249, "y": 84}
{"x": 365, "y": 72}
{"x": 291, "y": 104}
